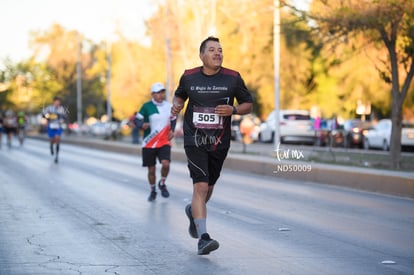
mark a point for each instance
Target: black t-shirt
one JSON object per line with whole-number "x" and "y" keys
{"x": 201, "y": 126}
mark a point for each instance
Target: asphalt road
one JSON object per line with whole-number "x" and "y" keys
{"x": 89, "y": 215}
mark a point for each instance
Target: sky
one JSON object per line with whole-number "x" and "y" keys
{"x": 95, "y": 19}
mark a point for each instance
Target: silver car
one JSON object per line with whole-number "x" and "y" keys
{"x": 295, "y": 127}
{"x": 380, "y": 135}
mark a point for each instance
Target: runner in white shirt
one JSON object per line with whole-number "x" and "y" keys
{"x": 155, "y": 118}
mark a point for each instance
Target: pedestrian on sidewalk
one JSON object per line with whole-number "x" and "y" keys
{"x": 154, "y": 118}
{"x": 211, "y": 91}
{"x": 135, "y": 130}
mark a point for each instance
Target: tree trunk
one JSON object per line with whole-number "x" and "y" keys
{"x": 396, "y": 119}
{"x": 396, "y": 105}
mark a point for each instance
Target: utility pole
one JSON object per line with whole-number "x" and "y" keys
{"x": 168, "y": 57}
{"x": 276, "y": 50}
{"x": 79, "y": 82}
{"x": 108, "y": 83}
{"x": 169, "y": 80}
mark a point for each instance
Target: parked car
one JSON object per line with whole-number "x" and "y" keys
{"x": 407, "y": 134}
{"x": 380, "y": 135}
{"x": 105, "y": 129}
{"x": 295, "y": 127}
{"x": 74, "y": 128}
{"x": 354, "y": 131}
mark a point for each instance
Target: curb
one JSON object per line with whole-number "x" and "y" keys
{"x": 380, "y": 181}
{"x": 385, "y": 182}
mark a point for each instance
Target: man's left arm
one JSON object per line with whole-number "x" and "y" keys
{"x": 244, "y": 98}
{"x": 228, "y": 110}
{"x": 243, "y": 108}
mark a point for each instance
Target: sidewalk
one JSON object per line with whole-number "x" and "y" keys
{"x": 263, "y": 160}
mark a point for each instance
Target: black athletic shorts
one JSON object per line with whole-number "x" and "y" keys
{"x": 205, "y": 165}
{"x": 10, "y": 130}
{"x": 149, "y": 155}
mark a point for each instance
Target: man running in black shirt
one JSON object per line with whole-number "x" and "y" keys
{"x": 211, "y": 90}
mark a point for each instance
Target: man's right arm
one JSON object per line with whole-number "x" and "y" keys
{"x": 45, "y": 112}
{"x": 177, "y": 105}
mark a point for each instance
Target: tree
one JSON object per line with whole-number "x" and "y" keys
{"x": 389, "y": 23}
{"x": 57, "y": 48}
{"x": 246, "y": 32}
{"x": 30, "y": 85}
{"x": 130, "y": 86}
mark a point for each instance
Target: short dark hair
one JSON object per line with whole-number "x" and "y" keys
{"x": 203, "y": 44}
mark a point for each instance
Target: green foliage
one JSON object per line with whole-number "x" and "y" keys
{"x": 388, "y": 21}
{"x": 59, "y": 73}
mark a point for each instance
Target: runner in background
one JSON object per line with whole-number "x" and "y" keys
{"x": 154, "y": 118}
{"x": 21, "y": 126}
{"x": 10, "y": 126}
{"x": 135, "y": 130}
{"x": 55, "y": 115}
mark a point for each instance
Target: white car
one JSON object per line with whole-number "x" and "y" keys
{"x": 295, "y": 126}
{"x": 407, "y": 134}
{"x": 104, "y": 129}
{"x": 380, "y": 135}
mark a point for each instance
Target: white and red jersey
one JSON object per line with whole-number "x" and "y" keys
{"x": 158, "y": 115}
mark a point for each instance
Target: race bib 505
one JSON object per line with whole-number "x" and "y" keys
{"x": 205, "y": 118}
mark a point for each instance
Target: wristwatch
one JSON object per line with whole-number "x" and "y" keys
{"x": 234, "y": 110}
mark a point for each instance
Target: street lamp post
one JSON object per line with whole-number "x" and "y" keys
{"x": 276, "y": 49}
{"x": 169, "y": 80}
{"x": 79, "y": 82}
{"x": 108, "y": 84}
